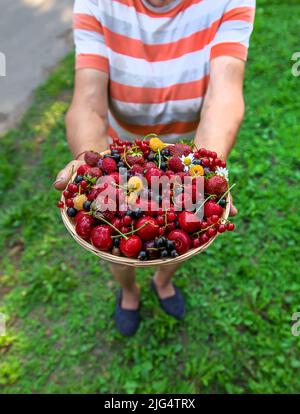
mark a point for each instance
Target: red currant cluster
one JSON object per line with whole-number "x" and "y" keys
{"x": 115, "y": 206}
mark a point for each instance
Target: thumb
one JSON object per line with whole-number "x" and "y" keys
{"x": 64, "y": 176}
{"x": 233, "y": 210}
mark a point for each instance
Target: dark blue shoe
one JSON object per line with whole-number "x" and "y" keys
{"x": 174, "y": 305}
{"x": 127, "y": 321}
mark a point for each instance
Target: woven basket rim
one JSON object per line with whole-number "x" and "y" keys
{"x": 122, "y": 260}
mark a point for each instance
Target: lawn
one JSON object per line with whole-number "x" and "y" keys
{"x": 241, "y": 294}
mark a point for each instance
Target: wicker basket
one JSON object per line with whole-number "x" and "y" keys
{"x": 135, "y": 262}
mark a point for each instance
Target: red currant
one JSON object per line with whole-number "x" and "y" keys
{"x": 211, "y": 232}
{"x": 203, "y": 152}
{"x": 69, "y": 202}
{"x": 67, "y": 194}
{"x": 221, "y": 228}
{"x": 160, "y": 220}
{"x": 73, "y": 188}
{"x": 60, "y": 204}
{"x": 230, "y": 226}
{"x": 127, "y": 220}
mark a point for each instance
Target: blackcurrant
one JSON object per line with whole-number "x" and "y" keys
{"x": 142, "y": 255}
{"x": 174, "y": 253}
{"x": 170, "y": 244}
{"x": 197, "y": 162}
{"x": 78, "y": 179}
{"x": 71, "y": 211}
{"x": 222, "y": 202}
{"x": 87, "y": 205}
{"x": 164, "y": 253}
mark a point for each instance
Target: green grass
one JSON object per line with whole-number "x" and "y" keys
{"x": 240, "y": 295}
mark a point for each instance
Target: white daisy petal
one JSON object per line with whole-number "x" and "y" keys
{"x": 223, "y": 172}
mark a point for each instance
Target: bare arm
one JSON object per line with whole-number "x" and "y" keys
{"x": 86, "y": 120}
{"x": 223, "y": 107}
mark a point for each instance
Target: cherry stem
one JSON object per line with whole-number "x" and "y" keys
{"x": 132, "y": 231}
{"x": 114, "y": 227}
{"x": 152, "y": 134}
{"x": 226, "y": 192}
{"x": 202, "y": 204}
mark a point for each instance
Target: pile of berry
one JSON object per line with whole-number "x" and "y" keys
{"x": 130, "y": 218}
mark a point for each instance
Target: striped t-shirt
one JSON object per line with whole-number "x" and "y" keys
{"x": 158, "y": 58}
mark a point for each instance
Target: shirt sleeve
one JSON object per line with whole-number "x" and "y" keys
{"x": 234, "y": 31}
{"x": 91, "y": 51}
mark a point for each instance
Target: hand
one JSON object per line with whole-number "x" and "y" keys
{"x": 233, "y": 210}
{"x": 64, "y": 176}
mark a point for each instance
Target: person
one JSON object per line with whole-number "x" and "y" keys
{"x": 171, "y": 67}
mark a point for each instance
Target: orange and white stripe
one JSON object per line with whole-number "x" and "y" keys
{"x": 158, "y": 59}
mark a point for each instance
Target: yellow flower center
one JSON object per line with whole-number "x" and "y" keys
{"x": 187, "y": 161}
{"x": 196, "y": 170}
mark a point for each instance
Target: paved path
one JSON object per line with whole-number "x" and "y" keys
{"x": 34, "y": 36}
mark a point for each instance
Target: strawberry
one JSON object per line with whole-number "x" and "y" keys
{"x": 175, "y": 164}
{"x": 91, "y": 158}
{"x": 109, "y": 165}
{"x": 216, "y": 185}
{"x": 84, "y": 225}
{"x": 211, "y": 208}
{"x": 101, "y": 237}
{"x": 180, "y": 149}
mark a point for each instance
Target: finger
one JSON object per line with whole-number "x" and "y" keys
{"x": 64, "y": 176}
{"x": 233, "y": 210}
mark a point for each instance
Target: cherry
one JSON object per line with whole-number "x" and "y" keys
{"x": 189, "y": 222}
{"x": 101, "y": 237}
{"x": 132, "y": 246}
{"x": 150, "y": 231}
{"x": 211, "y": 208}
{"x": 182, "y": 240}
{"x": 83, "y": 184}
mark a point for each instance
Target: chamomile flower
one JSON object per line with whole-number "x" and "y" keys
{"x": 187, "y": 161}
{"x": 223, "y": 172}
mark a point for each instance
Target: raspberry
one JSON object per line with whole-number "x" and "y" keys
{"x": 156, "y": 144}
{"x": 175, "y": 164}
{"x": 180, "y": 149}
{"x": 138, "y": 169}
{"x": 109, "y": 165}
{"x": 150, "y": 164}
